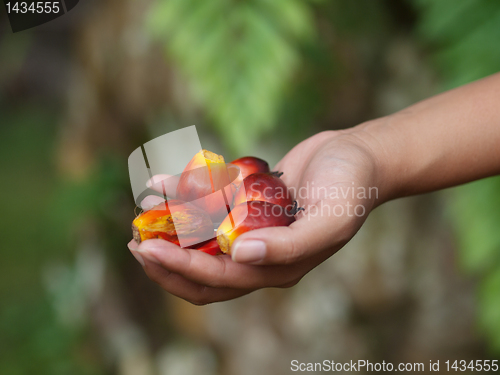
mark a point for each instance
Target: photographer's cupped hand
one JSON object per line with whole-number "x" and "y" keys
{"x": 322, "y": 172}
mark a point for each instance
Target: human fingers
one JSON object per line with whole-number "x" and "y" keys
{"x": 181, "y": 287}
{"x": 188, "y": 290}
{"x": 164, "y": 183}
{"x": 311, "y": 234}
{"x": 150, "y": 201}
{"x": 216, "y": 271}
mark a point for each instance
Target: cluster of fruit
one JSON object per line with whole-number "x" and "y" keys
{"x": 210, "y": 195}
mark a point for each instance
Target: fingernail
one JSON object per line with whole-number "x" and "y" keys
{"x": 138, "y": 257}
{"x": 145, "y": 254}
{"x": 249, "y": 251}
{"x": 149, "y": 183}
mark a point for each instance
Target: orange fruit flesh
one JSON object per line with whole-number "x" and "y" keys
{"x": 181, "y": 220}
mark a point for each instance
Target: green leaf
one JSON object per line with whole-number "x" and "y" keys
{"x": 466, "y": 36}
{"x": 239, "y": 58}
{"x": 490, "y": 307}
{"x": 476, "y": 214}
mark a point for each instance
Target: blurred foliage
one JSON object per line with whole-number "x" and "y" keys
{"x": 476, "y": 214}
{"x": 312, "y": 93}
{"x": 466, "y": 36}
{"x": 96, "y": 198}
{"x": 13, "y": 53}
{"x": 257, "y": 68}
{"x": 33, "y": 339}
{"x": 260, "y": 68}
{"x": 239, "y": 57}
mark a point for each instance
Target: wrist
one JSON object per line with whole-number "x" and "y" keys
{"x": 376, "y": 139}
{"x": 406, "y": 164}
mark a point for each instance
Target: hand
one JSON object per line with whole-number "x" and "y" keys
{"x": 333, "y": 176}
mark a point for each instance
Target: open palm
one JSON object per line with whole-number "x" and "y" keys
{"x": 333, "y": 176}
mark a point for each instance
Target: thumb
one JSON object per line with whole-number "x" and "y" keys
{"x": 286, "y": 245}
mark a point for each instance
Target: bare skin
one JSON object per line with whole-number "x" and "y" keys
{"x": 444, "y": 141}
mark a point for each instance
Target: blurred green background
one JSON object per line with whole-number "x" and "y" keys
{"x": 420, "y": 282}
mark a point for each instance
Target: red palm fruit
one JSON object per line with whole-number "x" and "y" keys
{"x": 252, "y": 215}
{"x": 206, "y": 183}
{"x": 210, "y": 247}
{"x": 265, "y": 187}
{"x": 251, "y": 164}
{"x": 175, "y": 221}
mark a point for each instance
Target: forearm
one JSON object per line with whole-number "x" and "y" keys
{"x": 443, "y": 141}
